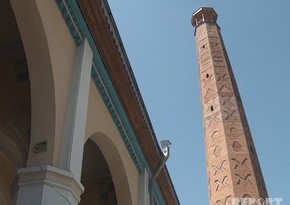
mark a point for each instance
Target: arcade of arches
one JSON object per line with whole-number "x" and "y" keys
{"x": 46, "y": 100}
{"x": 15, "y": 123}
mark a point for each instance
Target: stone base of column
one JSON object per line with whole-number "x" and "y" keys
{"x": 47, "y": 185}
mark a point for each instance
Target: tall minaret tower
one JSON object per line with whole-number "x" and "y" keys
{"x": 232, "y": 162}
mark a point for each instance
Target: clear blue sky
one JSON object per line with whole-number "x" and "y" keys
{"x": 159, "y": 41}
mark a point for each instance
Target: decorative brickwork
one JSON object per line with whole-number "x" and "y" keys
{"x": 232, "y": 162}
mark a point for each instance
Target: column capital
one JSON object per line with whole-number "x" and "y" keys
{"x": 59, "y": 186}
{"x": 203, "y": 14}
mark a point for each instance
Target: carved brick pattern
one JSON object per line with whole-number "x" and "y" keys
{"x": 211, "y": 107}
{"x": 234, "y": 131}
{"x": 246, "y": 196}
{"x": 205, "y": 59}
{"x": 237, "y": 146}
{"x": 222, "y": 77}
{"x": 212, "y": 119}
{"x": 228, "y": 102}
{"x": 231, "y": 115}
{"x": 241, "y": 163}
{"x": 208, "y": 93}
{"x": 224, "y": 88}
{"x": 219, "y": 168}
{"x": 216, "y": 49}
{"x": 246, "y": 200}
{"x": 221, "y": 184}
{"x": 214, "y": 135}
{"x": 214, "y": 44}
{"x": 205, "y": 67}
{"x": 217, "y": 151}
{"x": 244, "y": 179}
{"x": 225, "y": 201}
{"x": 207, "y": 80}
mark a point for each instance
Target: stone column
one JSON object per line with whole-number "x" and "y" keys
{"x": 232, "y": 162}
{"x": 74, "y": 131}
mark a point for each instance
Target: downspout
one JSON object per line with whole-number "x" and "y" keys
{"x": 165, "y": 144}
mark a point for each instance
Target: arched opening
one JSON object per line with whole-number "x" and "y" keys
{"x": 15, "y": 104}
{"x": 96, "y": 178}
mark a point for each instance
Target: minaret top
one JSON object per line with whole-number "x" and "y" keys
{"x": 203, "y": 14}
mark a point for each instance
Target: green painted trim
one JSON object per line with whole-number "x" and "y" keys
{"x": 71, "y": 21}
{"x": 79, "y": 30}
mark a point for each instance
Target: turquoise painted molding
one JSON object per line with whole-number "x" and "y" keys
{"x": 72, "y": 23}
{"x": 112, "y": 109}
{"x": 78, "y": 28}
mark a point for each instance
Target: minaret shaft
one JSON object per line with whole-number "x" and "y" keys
{"x": 232, "y": 163}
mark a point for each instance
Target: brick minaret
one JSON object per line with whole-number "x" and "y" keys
{"x": 232, "y": 162}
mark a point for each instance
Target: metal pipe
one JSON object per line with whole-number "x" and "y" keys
{"x": 166, "y": 152}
